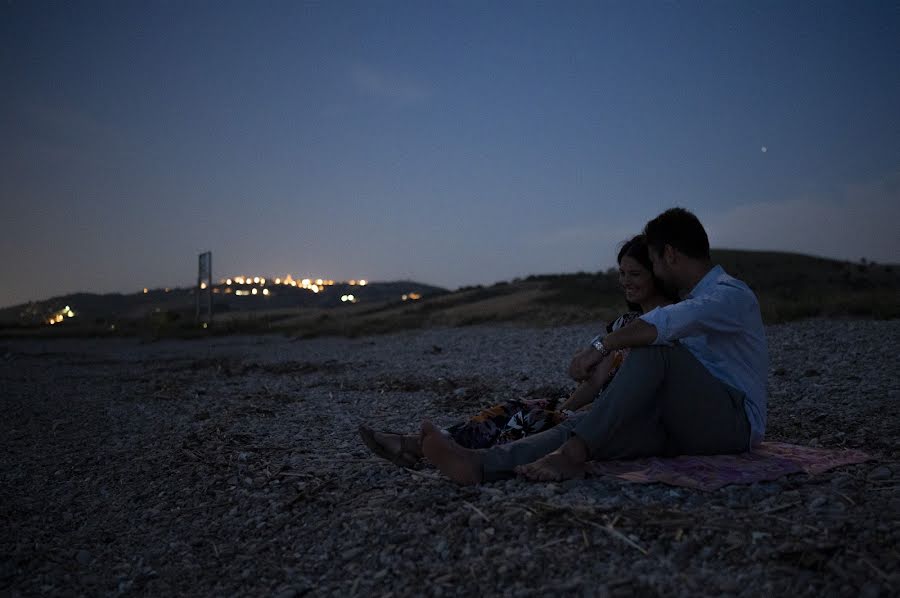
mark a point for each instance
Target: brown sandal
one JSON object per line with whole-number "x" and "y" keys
{"x": 405, "y": 457}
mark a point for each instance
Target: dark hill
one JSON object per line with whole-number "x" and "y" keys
{"x": 789, "y": 286}
{"x": 93, "y": 310}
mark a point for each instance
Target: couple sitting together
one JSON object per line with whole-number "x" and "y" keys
{"x": 684, "y": 373}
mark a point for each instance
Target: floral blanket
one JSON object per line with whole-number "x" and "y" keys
{"x": 769, "y": 461}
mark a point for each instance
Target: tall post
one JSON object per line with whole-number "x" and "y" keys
{"x": 204, "y": 289}
{"x": 209, "y": 290}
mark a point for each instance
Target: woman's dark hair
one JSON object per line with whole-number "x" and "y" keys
{"x": 680, "y": 229}
{"x": 637, "y": 249}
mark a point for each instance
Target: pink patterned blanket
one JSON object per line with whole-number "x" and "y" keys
{"x": 769, "y": 461}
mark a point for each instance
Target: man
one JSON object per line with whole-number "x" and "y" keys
{"x": 693, "y": 383}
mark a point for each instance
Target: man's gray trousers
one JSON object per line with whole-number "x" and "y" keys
{"x": 662, "y": 402}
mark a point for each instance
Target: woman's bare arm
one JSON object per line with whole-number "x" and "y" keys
{"x": 637, "y": 333}
{"x": 589, "y": 388}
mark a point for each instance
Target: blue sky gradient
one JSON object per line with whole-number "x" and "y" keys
{"x": 452, "y": 143}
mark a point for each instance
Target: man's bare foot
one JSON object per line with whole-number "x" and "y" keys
{"x": 565, "y": 463}
{"x": 461, "y": 465}
{"x": 554, "y": 467}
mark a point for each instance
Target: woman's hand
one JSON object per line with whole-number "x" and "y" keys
{"x": 583, "y": 362}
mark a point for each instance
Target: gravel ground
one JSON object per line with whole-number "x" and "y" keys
{"x": 232, "y": 466}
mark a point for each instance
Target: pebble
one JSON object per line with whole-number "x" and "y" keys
{"x": 870, "y": 590}
{"x": 729, "y": 585}
{"x": 818, "y": 502}
{"x": 881, "y": 473}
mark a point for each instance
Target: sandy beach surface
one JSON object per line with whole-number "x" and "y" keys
{"x": 232, "y": 466}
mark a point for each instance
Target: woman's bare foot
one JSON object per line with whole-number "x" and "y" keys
{"x": 565, "y": 463}
{"x": 404, "y": 450}
{"x": 461, "y": 465}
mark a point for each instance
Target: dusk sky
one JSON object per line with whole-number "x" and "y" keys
{"x": 451, "y": 143}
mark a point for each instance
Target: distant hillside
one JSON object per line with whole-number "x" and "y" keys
{"x": 174, "y": 305}
{"x": 789, "y": 286}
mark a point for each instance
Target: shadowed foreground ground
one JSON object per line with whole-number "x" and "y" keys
{"x": 231, "y": 466}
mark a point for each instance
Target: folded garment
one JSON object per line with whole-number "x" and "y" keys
{"x": 769, "y": 461}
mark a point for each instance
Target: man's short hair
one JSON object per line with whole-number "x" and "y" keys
{"x": 680, "y": 229}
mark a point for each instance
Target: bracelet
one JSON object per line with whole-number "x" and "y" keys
{"x": 597, "y": 344}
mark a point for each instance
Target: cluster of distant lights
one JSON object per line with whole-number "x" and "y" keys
{"x": 61, "y": 315}
{"x": 258, "y": 284}
{"x": 314, "y": 285}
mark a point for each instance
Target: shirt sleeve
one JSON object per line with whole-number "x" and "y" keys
{"x": 724, "y": 309}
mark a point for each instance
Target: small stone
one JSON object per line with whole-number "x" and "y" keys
{"x": 870, "y": 590}
{"x": 460, "y": 392}
{"x": 83, "y": 557}
{"x": 287, "y": 593}
{"x": 880, "y": 473}
{"x": 841, "y": 480}
{"x": 351, "y": 554}
{"x": 729, "y": 586}
{"x": 817, "y": 503}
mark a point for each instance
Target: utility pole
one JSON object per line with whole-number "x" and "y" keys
{"x": 204, "y": 290}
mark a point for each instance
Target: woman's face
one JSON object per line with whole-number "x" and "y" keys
{"x": 636, "y": 280}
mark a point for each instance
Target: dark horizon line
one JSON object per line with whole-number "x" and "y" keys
{"x": 369, "y": 281}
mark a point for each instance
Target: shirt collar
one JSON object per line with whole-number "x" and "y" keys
{"x": 707, "y": 281}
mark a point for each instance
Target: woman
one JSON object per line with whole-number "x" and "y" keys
{"x": 517, "y": 418}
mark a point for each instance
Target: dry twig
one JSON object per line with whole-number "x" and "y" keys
{"x": 477, "y": 510}
{"x": 614, "y": 533}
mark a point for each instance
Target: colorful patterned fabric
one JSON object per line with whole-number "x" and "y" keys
{"x": 518, "y": 418}
{"x": 769, "y": 461}
{"x": 507, "y": 422}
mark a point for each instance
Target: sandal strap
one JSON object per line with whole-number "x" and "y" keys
{"x": 411, "y": 445}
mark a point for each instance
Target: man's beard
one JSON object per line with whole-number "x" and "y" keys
{"x": 669, "y": 288}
